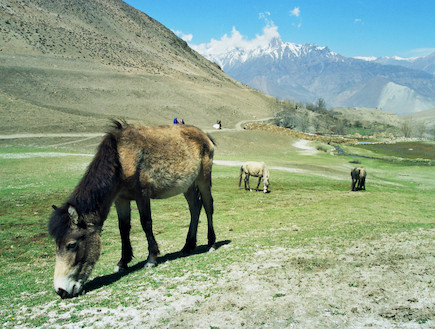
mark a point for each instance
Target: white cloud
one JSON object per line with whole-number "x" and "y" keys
{"x": 185, "y": 37}
{"x": 237, "y": 40}
{"x": 357, "y": 20}
{"x": 264, "y": 15}
{"x": 295, "y": 12}
{"x": 367, "y": 59}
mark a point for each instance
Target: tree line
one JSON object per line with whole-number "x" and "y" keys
{"x": 316, "y": 118}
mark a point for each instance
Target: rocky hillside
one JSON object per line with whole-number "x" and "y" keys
{"x": 105, "y": 31}
{"x": 72, "y": 64}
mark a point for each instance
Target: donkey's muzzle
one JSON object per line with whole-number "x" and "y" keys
{"x": 64, "y": 294}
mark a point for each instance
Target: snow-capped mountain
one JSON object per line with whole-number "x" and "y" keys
{"x": 307, "y": 72}
{"x": 276, "y": 50}
{"x": 426, "y": 64}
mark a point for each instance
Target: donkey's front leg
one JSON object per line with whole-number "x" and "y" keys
{"x": 259, "y": 181}
{"x": 124, "y": 217}
{"x": 144, "y": 207}
{"x": 353, "y": 184}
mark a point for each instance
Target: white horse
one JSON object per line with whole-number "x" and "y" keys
{"x": 256, "y": 169}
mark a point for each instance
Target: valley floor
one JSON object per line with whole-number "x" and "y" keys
{"x": 310, "y": 254}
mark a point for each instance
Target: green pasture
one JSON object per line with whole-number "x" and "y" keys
{"x": 310, "y": 204}
{"x": 414, "y": 152}
{"x": 408, "y": 150}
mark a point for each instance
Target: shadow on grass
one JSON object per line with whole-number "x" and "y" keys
{"x": 108, "y": 279}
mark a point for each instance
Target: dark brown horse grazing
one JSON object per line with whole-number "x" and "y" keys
{"x": 132, "y": 163}
{"x": 358, "y": 179}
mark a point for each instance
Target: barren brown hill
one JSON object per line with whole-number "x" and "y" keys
{"x": 72, "y": 64}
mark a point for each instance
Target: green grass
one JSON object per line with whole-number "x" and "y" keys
{"x": 409, "y": 150}
{"x": 313, "y": 208}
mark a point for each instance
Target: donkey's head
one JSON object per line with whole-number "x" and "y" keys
{"x": 78, "y": 249}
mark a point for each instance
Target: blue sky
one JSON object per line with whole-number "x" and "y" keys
{"x": 367, "y": 28}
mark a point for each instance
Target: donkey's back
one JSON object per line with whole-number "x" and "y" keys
{"x": 255, "y": 169}
{"x": 164, "y": 160}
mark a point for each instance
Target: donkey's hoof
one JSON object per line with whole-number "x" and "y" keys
{"x": 121, "y": 267}
{"x": 188, "y": 248}
{"x": 185, "y": 252}
{"x": 212, "y": 248}
{"x": 150, "y": 263}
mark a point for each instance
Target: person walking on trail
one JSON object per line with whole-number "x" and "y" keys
{"x": 218, "y": 124}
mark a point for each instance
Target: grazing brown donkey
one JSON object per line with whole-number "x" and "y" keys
{"x": 132, "y": 163}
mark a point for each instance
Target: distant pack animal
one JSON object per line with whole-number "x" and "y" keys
{"x": 132, "y": 163}
{"x": 358, "y": 179}
{"x": 255, "y": 169}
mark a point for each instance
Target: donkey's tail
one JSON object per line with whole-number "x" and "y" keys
{"x": 240, "y": 176}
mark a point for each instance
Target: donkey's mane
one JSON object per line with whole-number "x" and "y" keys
{"x": 96, "y": 189}
{"x": 102, "y": 174}
{"x": 59, "y": 223}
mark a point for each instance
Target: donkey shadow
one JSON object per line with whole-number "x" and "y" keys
{"x": 108, "y": 279}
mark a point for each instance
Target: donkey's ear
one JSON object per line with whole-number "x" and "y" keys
{"x": 54, "y": 207}
{"x": 73, "y": 214}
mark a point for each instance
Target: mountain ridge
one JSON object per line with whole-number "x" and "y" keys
{"x": 425, "y": 63}
{"x": 307, "y": 72}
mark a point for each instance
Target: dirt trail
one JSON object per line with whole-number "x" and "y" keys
{"x": 238, "y": 127}
{"x": 54, "y": 135}
{"x": 27, "y": 155}
{"x": 305, "y": 145}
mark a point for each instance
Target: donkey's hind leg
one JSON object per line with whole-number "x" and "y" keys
{"x": 144, "y": 208}
{"x": 207, "y": 202}
{"x": 363, "y": 184}
{"x": 192, "y": 197}
{"x": 124, "y": 217}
